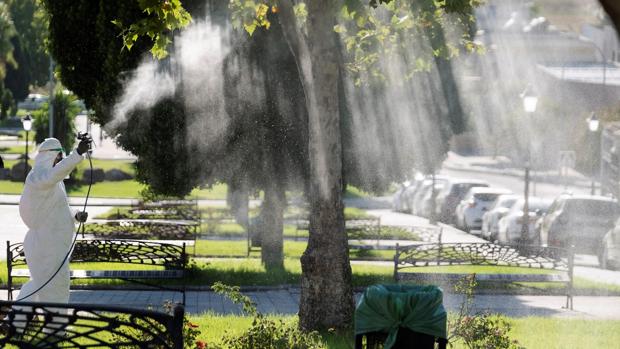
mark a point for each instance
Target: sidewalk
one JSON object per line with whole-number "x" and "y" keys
{"x": 286, "y": 301}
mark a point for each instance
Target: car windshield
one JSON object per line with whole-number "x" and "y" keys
{"x": 592, "y": 208}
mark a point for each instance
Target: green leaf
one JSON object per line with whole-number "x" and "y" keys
{"x": 250, "y": 28}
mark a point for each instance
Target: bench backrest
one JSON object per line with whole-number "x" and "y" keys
{"x": 441, "y": 254}
{"x": 144, "y": 229}
{"x": 49, "y": 325}
{"x": 115, "y": 251}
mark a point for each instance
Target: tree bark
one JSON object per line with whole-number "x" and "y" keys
{"x": 272, "y": 212}
{"x": 239, "y": 200}
{"x": 326, "y": 299}
{"x": 612, "y": 7}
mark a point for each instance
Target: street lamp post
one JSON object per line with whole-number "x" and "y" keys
{"x": 587, "y": 39}
{"x": 432, "y": 219}
{"x": 593, "y": 125}
{"x": 27, "y": 124}
{"x": 530, "y": 101}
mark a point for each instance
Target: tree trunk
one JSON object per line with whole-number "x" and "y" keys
{"x": 239, "y": 201}
{"x": 326, "y": 299}
{"x": 272, "y": 212}
{"x": 612, "y": 7}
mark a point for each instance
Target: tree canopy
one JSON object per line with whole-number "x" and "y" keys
{"x": 295, "y": 118}
{"x": 30, "y": 49}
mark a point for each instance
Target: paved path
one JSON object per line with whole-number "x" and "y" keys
{"x": 449, "y": 233}
{"x": 286, "y": 301}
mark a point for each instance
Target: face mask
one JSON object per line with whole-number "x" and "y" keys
{"x": 58, "y": 159}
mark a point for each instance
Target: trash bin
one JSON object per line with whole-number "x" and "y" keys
{"x": 400, "y": 316}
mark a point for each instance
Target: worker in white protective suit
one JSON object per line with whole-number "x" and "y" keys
{"x": 51, "y": 222}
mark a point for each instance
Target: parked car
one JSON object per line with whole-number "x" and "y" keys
{"x": 509, "y": 227}
{"x": 34, "y": 101}
{"x": 477, "y": 201}
{"x": 448, "y": 199}
{"x": 580, "y": 220}
{"x": 424, "y": 192}
{"x": 426, "y": 205}
{"x": 500, "y": 208}
{"x": 409, "y": 193}
{"x": 609, "y": 254}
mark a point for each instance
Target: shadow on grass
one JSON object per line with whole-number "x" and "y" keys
{"x": 242, "y": 276}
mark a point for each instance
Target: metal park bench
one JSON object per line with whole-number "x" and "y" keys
{"x": 561, "y": 261}
{"x": 172, "y": 257}
{"x": 49, "y": 325}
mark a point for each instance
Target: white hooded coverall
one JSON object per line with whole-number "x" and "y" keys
{"x": 45, "y": 210}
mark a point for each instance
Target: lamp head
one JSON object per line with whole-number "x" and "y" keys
{"x": 593, "y": 122}
{"x": 27, "y": 122}
{"x": 530, "y": 99}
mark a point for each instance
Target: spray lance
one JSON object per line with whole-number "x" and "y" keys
{"x": 83, "y": 137}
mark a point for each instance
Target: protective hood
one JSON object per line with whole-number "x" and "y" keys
{"x": 45, "y": 155}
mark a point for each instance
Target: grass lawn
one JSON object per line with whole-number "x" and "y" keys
{"x": 17, "y": 149}
{"x": 10, "y": 163}
{"x": 247, "y": 272}
{"x": 353, "y": 213}
{"x": 126, "y": 166}
{"x": 120, "y": 189}
{"x": 531, "y": 332}
{"x": 293, "y": 249}
{"x": 547, "y": 333}
{"x": 354, "y": 192}
{"x": 216, "y": 192}
{"x": 8, "y": 187}
{"x": 131, "y": 188}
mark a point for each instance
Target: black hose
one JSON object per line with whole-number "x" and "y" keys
{"x": 80, "y": 226}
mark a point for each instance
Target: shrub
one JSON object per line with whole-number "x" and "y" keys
{"x": 485, "y": 331}
{"x": 65, "y": 111}
{"x": 481, "y": 330}
{"x": 264, "y": 332}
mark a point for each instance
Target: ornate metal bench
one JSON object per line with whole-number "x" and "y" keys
{"x": 48, "y": 325}
{"x": 408, "y": 258}
{"x": 172, "y": 257}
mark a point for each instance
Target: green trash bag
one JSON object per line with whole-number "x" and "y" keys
{"x": 385, "y": 308}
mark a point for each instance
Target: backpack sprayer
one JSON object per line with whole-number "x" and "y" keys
{"x": 82, "y": 137}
